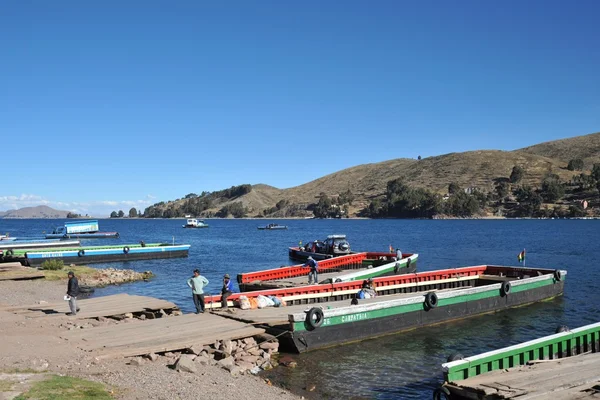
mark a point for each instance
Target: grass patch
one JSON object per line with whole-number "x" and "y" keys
{"x": 66, "y": 387}
{"x": 81, "y": 271}
{"x": 5, "y": 385}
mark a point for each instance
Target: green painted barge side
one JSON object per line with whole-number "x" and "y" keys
{"x": 400, "y": 306}
{"x": 564, "y": 344}
{"x": 382, "y": 317}
{"x": 21, "y": 252}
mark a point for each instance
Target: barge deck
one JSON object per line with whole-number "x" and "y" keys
{"x": 557, "y": 366}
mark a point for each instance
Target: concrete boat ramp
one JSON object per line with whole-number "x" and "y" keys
{"x": 138, "y": 325}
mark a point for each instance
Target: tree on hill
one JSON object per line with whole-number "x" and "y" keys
{"x": 323, "y": 207}
{"x": 552, "y": 189}
{"x": 596, "y": 172}
{"x": 502, "y": 190}
{"x": 133, "y": 213}
{"x": 575, "y": 164}
{"x": 113, "y": 214}
{"x": 516, "y": 175}
{"x": 453, "y": 188}
{"x": 529, "y": 201}
{"x": 236, "y": 210}
{"x": 121, "y": 214}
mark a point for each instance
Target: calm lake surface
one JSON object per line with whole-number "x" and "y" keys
{"x": 401, "y": 366}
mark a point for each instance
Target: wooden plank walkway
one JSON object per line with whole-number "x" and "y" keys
{"x": 159, "y": 335}
{"x": 106, "y": 306}
{"x": 14, "y": 271}
{"x": 576, "y": 377}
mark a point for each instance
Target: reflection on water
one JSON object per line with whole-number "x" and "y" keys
{"x": 401, "y": 366}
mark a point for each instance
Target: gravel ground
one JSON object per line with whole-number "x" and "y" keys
{"x": 35, "y": 343}
{"x": 31, "y": 291}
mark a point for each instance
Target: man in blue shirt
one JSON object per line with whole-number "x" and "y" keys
{"x": 314, "y": 267}
{"x": 197, "y": 283}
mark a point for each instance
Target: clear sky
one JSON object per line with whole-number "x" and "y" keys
{"x": 107, "y": 105}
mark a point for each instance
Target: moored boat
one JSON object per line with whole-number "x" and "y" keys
{"x": 94, "y": 254}
{"x": 195, "y": 223}
{"x": 346, "y": 268}
{"x": 332, "y": 246}
{"x": 403, "y": 302}
{"x": 271, "y": 227}
{"x": 7, "y": 238}
{"x": 80, "y": 229}
{"x": 9, "y": 247}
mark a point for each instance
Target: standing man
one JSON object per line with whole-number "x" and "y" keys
{"x": 314, "y": 267}
{"x": 72, "y": 292}
{"x": 226, "y": 290}
{"x": 197, "y": 283}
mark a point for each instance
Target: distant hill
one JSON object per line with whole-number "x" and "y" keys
{"x": 480, "y": 169}
{"x": 34, "y": 212}
{"x": 586, "y": 147}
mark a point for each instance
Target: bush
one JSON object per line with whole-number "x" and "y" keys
{"x": 53, "y": 265}
{"x": 575, "y": 164}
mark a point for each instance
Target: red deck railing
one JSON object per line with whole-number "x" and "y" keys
{"x": 299, "y": 270}
{"x": 418, "y": 277}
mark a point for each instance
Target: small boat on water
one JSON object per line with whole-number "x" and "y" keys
{"x": 271, "y": 227}
{"x": 351, "y": 267}
{"x": 195, "y": 223}
{"x": 7, "y": 238}
{"x": 97, "y": 254}
{"x": 402, "y": 302}
{"x": 333, "y": 246}
{"x": 80, "y": 229}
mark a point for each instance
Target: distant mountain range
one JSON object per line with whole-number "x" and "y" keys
{"x": 473, "y": 169}
{"x": 34, "y": 212}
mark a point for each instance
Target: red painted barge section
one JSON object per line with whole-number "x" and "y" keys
{"x": 418, "y": 277}
{"x": 324, "y": 265}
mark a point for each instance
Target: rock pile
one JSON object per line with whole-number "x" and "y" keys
{"x": 112, "y": 276}
{"x": 236, "y": 356}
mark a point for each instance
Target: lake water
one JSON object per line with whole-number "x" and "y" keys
{"x": 401, "y": 366}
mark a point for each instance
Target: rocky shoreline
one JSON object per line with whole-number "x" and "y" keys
{"x": 112, "y": 276}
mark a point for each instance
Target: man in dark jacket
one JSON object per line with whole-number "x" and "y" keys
{"x": 226, "y": 290}
{"x": 72, "y": 293}
{"x": 314, "y": 270}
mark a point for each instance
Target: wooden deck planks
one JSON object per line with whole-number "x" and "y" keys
{"x": 159, "y": 335}
{"x": 566, "y": 378}
{"x": 105, "y": 306}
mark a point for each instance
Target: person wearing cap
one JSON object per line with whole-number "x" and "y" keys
{"x": 197, "y": 283}
{"x": 72, "y": 293}
{"x": 314, "y": 268}
{"x": 226, "y": 290}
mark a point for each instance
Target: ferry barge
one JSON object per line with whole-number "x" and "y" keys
{"x": 351, "y": 267}
{"x": 403, "y": 302}
{"x": 99, "y": 254}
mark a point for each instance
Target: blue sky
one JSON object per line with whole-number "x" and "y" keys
{"x": 109, "y": 105}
